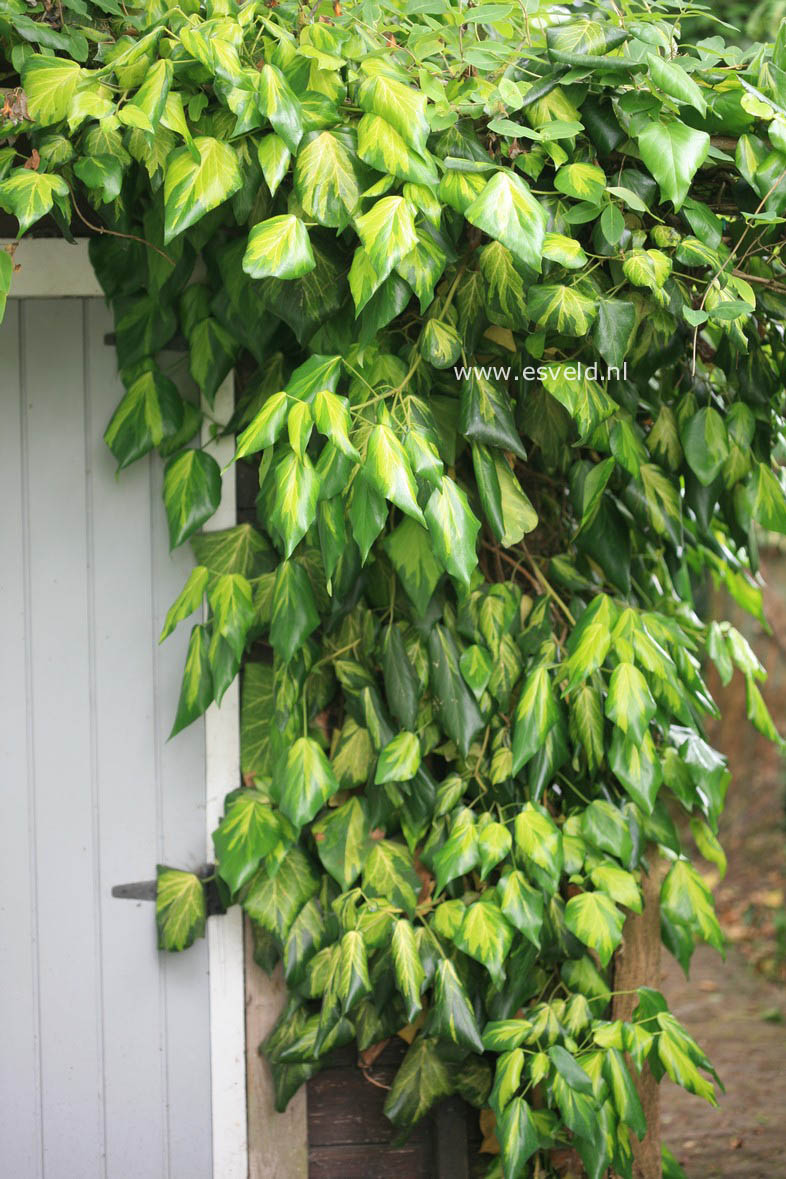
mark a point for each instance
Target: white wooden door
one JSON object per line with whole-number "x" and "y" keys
{"x": 105, "y": 1062}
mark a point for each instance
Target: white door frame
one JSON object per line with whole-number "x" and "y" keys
{"x": 52, "y": 268}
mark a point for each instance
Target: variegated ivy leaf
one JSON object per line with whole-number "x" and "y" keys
{"x": 29, "y": 195}
{"x": 274, "y": 157}
{"x": 326, "y": 179}
{"x": 192, "y": 188}
{"x": 596, "y": 921}
{"x": 295, "y": 499}
{"x": 387, "y": 232}
{"x": 399, "y": 760}
{"x": 381, "y": 146}
{"x": 150, "y": 412}
{"x": 331, "y": 415}
{"x": 279, "y": 248}
{"x": 410, "y": 975}
{"x": 181, "y": 911}
{"x": 454, "y": 528}
{"x": 387, "y": 468}
{"x": 401, "y": 106}
{"x": 49, "y": 84}
{"x": 507, "y": 211}
{"x": 305, "y": 783}
{"x": 583, "y": 182}
{"x": 486, "y": 936}
{"x": 561, "y": 309}
{"x": 248, "y": 831}
{"x": 192, "y": 492}
{"x": 647, "y": 268}
{"x": 279, "y": 104}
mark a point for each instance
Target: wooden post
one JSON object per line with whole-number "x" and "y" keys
{"x": 636, "y": 964}
{"x": 277, "y": 1143}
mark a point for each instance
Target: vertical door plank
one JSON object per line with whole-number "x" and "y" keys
{"x": 124, "y": 643}
{"x": 181, "y": 785}
{"x": 63, "y": 752}
{"x": 20, "y": 1127}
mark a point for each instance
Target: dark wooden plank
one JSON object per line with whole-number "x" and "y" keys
{"x": 370, "y": 1162}
{"x": 344, "y": 1107}
{"x": 450, "y": 1135}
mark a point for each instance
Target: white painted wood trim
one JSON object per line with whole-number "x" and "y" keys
{"x": 51, "y": 268}
{"x": 225, "y": 936}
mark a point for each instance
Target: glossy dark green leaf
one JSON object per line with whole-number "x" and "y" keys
{"x": 423, "y": 1078}
{"x": 294, "y": 615}
{"x": 456, "y": 703}
{"x": 192, "y": 492}
{"x": 452, "y": 1016}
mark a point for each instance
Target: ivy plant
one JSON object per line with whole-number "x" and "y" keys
{"x": 503, "y": 286}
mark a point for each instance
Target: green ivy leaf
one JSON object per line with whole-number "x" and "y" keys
{"x": 387, "y": 232}
{"x": 279, "y": 248}
{"x": 295, "y": 500}
{"x": 150, "y": 412}
{"x": 343, "y": 840}
{"x": 196, "y": 691}
{"x": 192, "y": 492}
{"x": 595, "y": 920}
{"x": 486, "y": 936}
{"x": 192, "y": 188}
{"x": 706, "y": 444}
{"x": 29, "y": 195}
{"x": 670, "y": 77}
{"x": 673, "y": 153}
{"x": 390, "y": 873}
{"x": 454, "y": 528}
{"x": 518, "y": 1136}
{"x": 507, "y": 211}
{"x": 399, "y": 760}
{"x": 769, "y": 501}
{"x": 248, "y": 831}
{"x": 410, "y": 976}
{"x": 452, "y": 1017}
{"x": 295, "y": 614}
{"x": 181, "y": 911}
{"x": 305, "y": 783}
{"x": 457, "y": 708}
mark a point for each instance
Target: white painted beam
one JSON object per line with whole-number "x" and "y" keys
{"x": 51, "y": 268}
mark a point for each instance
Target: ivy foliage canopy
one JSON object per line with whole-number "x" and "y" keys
{"x": 505, "y": 285}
